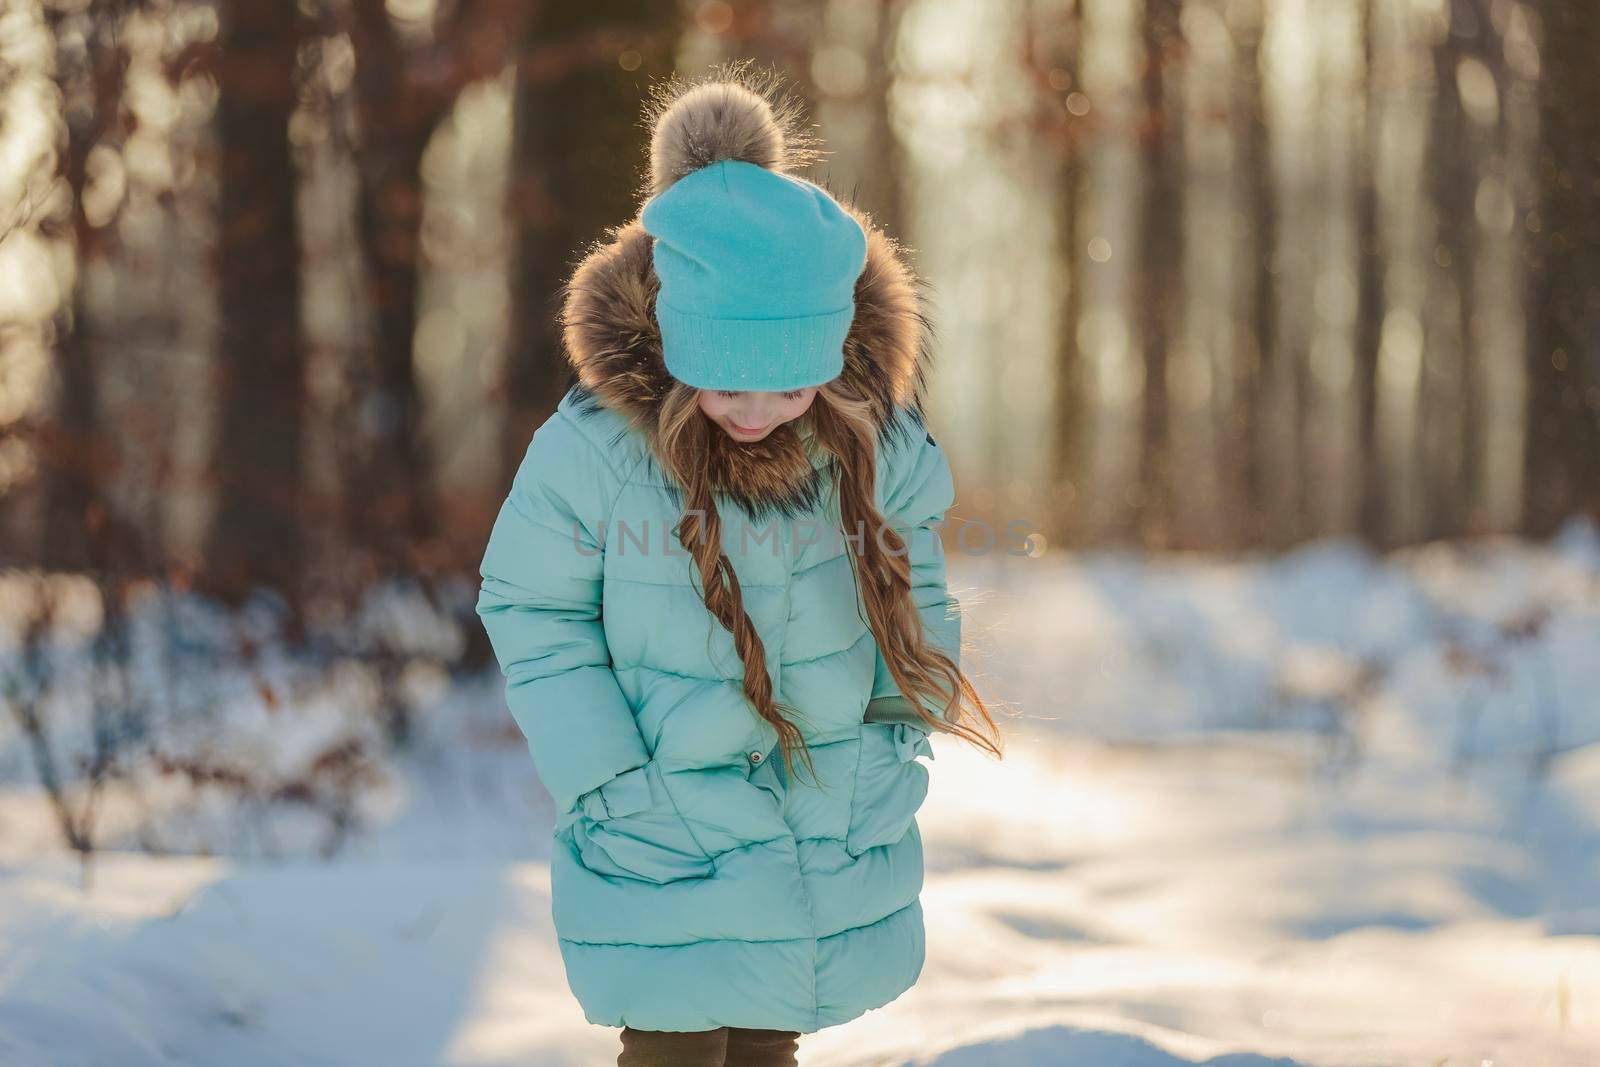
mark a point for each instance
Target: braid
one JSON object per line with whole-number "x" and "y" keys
{"x": 699, "y": 530}
{"x": 920, "y": 671}
{"x": 845, "y": 425}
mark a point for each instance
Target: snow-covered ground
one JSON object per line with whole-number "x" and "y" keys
{"x": 1319, "y": 809}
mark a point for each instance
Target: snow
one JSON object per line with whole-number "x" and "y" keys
{"x": 1316, "y": 809}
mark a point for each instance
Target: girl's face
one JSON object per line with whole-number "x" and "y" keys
{"x": 750, "y": 416}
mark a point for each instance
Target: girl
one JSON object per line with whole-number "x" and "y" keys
{"x": 717, "y": 591}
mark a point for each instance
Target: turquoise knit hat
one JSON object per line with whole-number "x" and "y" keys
{"x": 757, "y": 273}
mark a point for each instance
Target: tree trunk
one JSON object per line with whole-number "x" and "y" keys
{"x": 396, "y": 124}
{"x": 1074, "y": 412}
{"x": 1160, "y": 279}
{"x": 1370, "y": 261}
{"x": 256, "y": 536}
{"x": 1447, "y": 389}
{"x": 578, "y": 148}
{"x": 1563, "y": 456}
{"x": 74, "y": 460}
{"x": 1250, "y": 432}
{"x": 403, "y": 93}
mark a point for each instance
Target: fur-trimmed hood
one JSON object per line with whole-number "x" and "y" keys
{"x": 613, "y": 342}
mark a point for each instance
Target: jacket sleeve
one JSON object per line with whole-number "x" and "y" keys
{"x": 540, "y": 602}
{"x": 918, "y": 489}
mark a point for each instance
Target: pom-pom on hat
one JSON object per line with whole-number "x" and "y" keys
{"x": 757, "y": 268}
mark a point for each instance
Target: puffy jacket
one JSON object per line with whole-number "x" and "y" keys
{"x": 693, "y": 883}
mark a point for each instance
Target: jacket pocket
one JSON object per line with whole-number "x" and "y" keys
{"x": 629, "y": 827}
{"x": 890, "y": 784}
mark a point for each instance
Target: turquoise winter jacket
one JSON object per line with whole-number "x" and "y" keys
{"x": 693, "y": 883}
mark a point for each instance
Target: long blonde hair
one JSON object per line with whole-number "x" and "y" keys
{"x": 843, "y": 425}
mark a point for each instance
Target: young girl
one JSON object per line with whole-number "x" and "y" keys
{"x": 717, "y": 591}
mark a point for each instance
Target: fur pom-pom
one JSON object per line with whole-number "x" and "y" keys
{"x": 730, "y": 114}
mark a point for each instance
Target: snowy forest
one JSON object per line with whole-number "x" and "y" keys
{"x": 1276, "y": 321}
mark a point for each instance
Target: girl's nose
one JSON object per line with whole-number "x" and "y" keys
{"x": 752, "y": 416}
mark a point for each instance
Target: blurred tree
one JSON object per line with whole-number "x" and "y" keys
{"x": 1258, "y": 327}
{"x": 1481, "y": 67}
{"x": 577, "y": 167}
{"x": 1371, "y": 258}
{"x": 1435, "y": 174}
{"x": 1159, "y": 279}
{"x": 1065, "y": 122}
{"x": 405, "y": 86}
{"x": 256, "y": 536}
{"x": 852, "y": 73}
{"x": 90, "y": 65}
{"x": 1563, "y": 455}
{"x": 781, "y": 37}
{"x": 1445, "y": 398}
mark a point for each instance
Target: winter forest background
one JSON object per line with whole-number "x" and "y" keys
{"x": 1277, "y": 321}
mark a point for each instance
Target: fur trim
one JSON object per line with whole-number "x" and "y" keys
{"x": 613, "y": 343}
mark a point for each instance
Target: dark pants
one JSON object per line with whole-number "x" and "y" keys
{"x": 726, "y": 1046}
